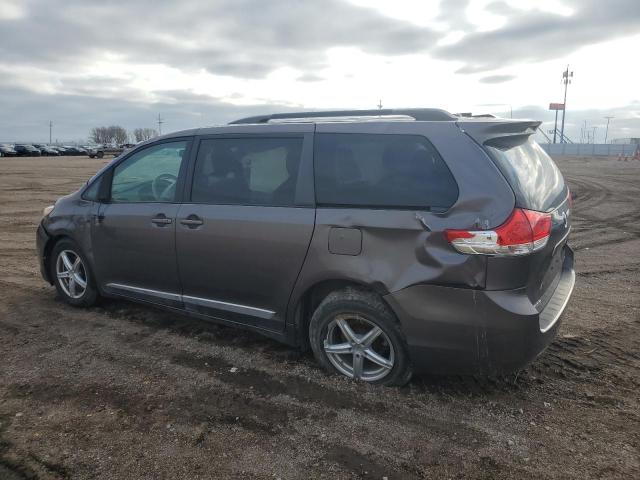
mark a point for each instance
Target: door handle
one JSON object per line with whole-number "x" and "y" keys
{"x": 161, "y": 220}
{"x": 192, "y": 221}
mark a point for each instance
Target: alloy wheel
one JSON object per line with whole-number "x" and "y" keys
{"x": 358, "y": 348}
{"x": 71, "y": 274}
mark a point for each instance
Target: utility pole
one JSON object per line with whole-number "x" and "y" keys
{"x": 160, "y": 122}
{"x": 380, "y": 104}
{"x": 50, "y": 127}
{"x": 606, "y": 133}
{"x": 566, "y": 79}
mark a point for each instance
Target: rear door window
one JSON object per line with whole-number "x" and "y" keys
{"x": 381, "y": 171}
{"x": 247, "y": 171}
{"x": 534, "y": 177}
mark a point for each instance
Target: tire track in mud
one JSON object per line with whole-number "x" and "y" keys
{"x": 592, "y": 193}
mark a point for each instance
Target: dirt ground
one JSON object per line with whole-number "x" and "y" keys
{"x": 125, "y": 391}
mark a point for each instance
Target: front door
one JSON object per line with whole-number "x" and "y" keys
{"x": 133, "y": 235}
{"x": 243, "y": 236}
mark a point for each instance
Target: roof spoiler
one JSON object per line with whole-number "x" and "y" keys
{"x": 502, "y": 134}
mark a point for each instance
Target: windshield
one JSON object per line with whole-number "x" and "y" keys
{"x": 534, "y": 177}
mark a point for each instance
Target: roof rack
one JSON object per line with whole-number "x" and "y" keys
{"x": 418, "y": 114}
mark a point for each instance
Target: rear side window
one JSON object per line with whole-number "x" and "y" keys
{"x": 534, "y": 177}
{"x": 383, "y": 171}
{"x": 247, "y": 171}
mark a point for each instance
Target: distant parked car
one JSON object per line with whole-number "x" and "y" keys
{"x": 58, "y": 149}
{"x": 27, "y": 151}
{"x": 46, "y": 150}
{"x": 102, "y": 150}
{"x": 75, "y": 151}
{"x": 7, "y": 151}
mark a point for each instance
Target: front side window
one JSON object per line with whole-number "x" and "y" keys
{"x": 247, "y": 171}
{"x": 150, "y": 175}
{"x": 381, "y": 171}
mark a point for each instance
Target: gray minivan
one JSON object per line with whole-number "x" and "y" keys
{"x": 388, "y": 241}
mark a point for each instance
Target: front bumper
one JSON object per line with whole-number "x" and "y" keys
{"x": 463, "y": 331}
{"x": 42, "y": 239}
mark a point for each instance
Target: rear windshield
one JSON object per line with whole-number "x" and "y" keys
{"x": 381, "y": 171}
{"x": 534, "y": 177}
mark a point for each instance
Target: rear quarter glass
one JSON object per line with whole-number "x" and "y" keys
{"x": 381, "y": 171}
{"x": 533, "y": 175}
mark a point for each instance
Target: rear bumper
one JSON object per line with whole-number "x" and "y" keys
{"x": 463, "y": 331}
{"x": 42, "y": 238}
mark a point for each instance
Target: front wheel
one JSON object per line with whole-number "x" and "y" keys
{"x": 352, "y": 332}
{"x": 72, "y": 275}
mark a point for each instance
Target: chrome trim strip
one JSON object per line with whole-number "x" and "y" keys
{"x": 572, "y": 282}
{"x": 231, "y": 307}
{"x": 146, "y": 291}
{"x": 203, "y": 302}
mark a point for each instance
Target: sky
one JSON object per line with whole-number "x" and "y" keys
{"x": 87, "y": 63}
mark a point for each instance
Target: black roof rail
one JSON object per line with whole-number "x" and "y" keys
{"x": 419, "y": 114}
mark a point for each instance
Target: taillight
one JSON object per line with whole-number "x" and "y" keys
{"x": 524, "y": 232}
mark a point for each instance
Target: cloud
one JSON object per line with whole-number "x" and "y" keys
{"x": 244, "y": 38}
{"x": 497, "y": 78}
{"x": 530, "y": 36}
{"x": 310, "y": 77}
{"x": 74, "y": 115}
{"x": 87, "y": 62}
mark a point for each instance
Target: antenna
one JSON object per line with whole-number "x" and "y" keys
{"x": 606, "y": 133}
{"x": 566, "y": 79}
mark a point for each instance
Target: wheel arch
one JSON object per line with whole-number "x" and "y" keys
{"x": 46, "y": 253}
{"x": 313, "y": 295}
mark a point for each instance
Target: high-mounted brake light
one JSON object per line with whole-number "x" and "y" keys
{"x": 524, "y": 232}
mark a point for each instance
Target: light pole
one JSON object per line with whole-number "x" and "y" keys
{"x": 160, "y": 122}
{"x": 50, "y": 128}
{"x": 593, "y": 138}
{"x": 606, "y": 133}
{"x": 566, "y": 79}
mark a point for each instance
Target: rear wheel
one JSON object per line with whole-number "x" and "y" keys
{"x": 100, "y": 154}
{"x": 72, "y": 275}
{"x": 352, "y": 332}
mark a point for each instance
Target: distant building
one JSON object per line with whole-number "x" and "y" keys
{"x": 627, "y": 141}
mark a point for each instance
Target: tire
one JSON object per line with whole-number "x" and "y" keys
{"x": 362, "y": 311}
{"x": 100, "y": 154}
{"x": 77, "y": 295}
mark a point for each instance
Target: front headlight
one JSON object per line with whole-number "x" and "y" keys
{"x": 47, "y": 210}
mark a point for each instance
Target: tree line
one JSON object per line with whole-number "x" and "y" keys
{"x": 119, "y": 135}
